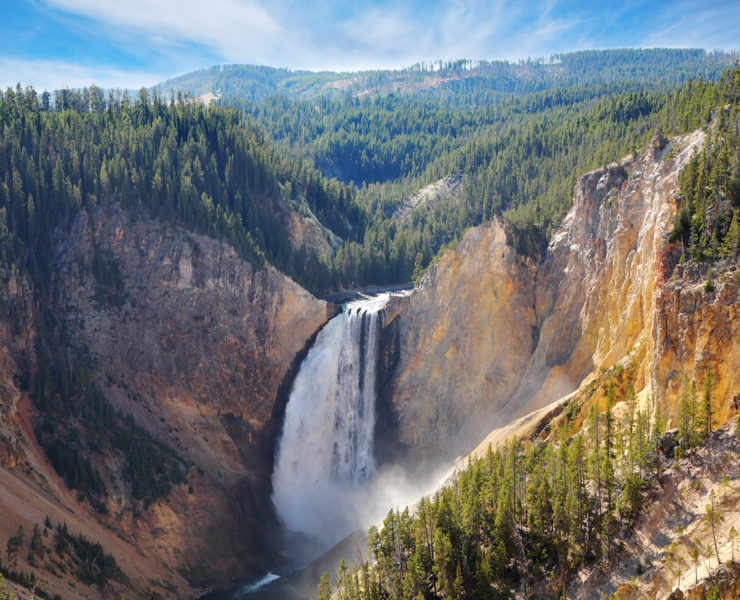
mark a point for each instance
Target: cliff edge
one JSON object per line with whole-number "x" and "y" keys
{"x": 492, "y": 333}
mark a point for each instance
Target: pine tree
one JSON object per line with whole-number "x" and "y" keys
{"x": 595, "y": 459}
{"x": 578, "y": 497}
{"x": 731, "y": 246}
{"x": 630, "y": 431}
{"x": 712, "y": 519}
{"x": 687, "y": 417}
{"x": 483, "y": 577}
{"x": 695, "y": 554}
{"x": 709, "y": 283}
{"x": 608, "y": 456}
{"x": 674, "y": 562}
{"x": 442, "y": 560}
{"x": 658, "y": 428}
{"x": 323, "y": 589}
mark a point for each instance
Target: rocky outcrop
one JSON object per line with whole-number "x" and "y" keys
{"x": 306, "y": 232}
{"x": 695, "y": 331}
{"x": 456, "y": 351}
{"x": 446, "y": 189}
{"x": 199, "y": 347}
{"x": 491, "y": 335}
{"x": 17, "y": 339}
{"x": 675, "y": 516}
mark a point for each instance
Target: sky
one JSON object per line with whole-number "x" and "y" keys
{"x": 73, "y": 43}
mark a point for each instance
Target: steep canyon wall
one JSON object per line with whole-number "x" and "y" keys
{"x": 199, "y": 348}
{"x": 492, "y": 334}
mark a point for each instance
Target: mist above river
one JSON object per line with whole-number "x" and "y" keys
{"x": 325, "y": 483}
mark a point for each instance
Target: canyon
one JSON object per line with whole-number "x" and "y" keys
{"x": 201, "y": 349}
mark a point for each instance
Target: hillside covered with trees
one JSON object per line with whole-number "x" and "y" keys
{"x": 232, "y": 171}
{"x": 205, "y": 169}
{"x": 459, "y": 82}
{"x": 527, "y": 515}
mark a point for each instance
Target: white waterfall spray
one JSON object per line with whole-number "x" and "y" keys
{"x": 325, "y": 456}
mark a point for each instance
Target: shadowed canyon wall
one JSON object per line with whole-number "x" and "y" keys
{"x": 196, "y": 345}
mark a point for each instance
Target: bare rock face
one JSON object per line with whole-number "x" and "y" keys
{"x": 568, "y": 286}
{"x": 17, "y": 339}
{"x": 307, "y": 232}
{"x": 490, "y": 335}
{"x": 696, "y": 331}
{"x": 448, "y": 188}
{"x": 195, "y": 344}
{"x": 190, "y": 311}
{"x": 598, "y": 286}
{"x": 457, "y": 352}
{"x": 199, "y": 347}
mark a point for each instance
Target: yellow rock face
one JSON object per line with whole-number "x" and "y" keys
{"x": 491, "y": 336}
{"x": 458, "y": 351}
{"x": 696, "y": 331}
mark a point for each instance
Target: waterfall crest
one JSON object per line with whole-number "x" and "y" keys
{"x": 325, "y": 456}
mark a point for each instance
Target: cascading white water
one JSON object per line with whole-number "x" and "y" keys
{"x": 325, "y": 456}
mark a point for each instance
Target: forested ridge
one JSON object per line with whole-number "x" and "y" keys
{"x": 233, "y": 171}
{"x": 460, "y": 82}
{"x": 205, "y": 169}
{"x": 708, "y": 223}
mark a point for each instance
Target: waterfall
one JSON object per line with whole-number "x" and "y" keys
{"x": 325, "y": 457}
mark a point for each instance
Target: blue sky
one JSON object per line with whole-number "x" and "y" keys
{"x": 58, "y": 43}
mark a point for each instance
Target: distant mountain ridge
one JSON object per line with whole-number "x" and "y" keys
{"x": 458, "y": 77}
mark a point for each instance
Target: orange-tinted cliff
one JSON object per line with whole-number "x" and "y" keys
{"x": 490, "y": 335}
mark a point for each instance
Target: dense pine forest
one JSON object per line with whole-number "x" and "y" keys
{"x": 708, "y": 223}
{"x": 205, "y": 169}
{"x": 531, "y": 512}
{"x": 232, "y": 171}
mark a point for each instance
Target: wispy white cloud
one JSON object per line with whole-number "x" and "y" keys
{"x": 401, "y": 35}
{"x": 369, "y": 35}
{"x": 51, "y": 74}
{"x": 140, "y": 38}
{"x": 711, "y": 25}
{"x": 234, "y": 28}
